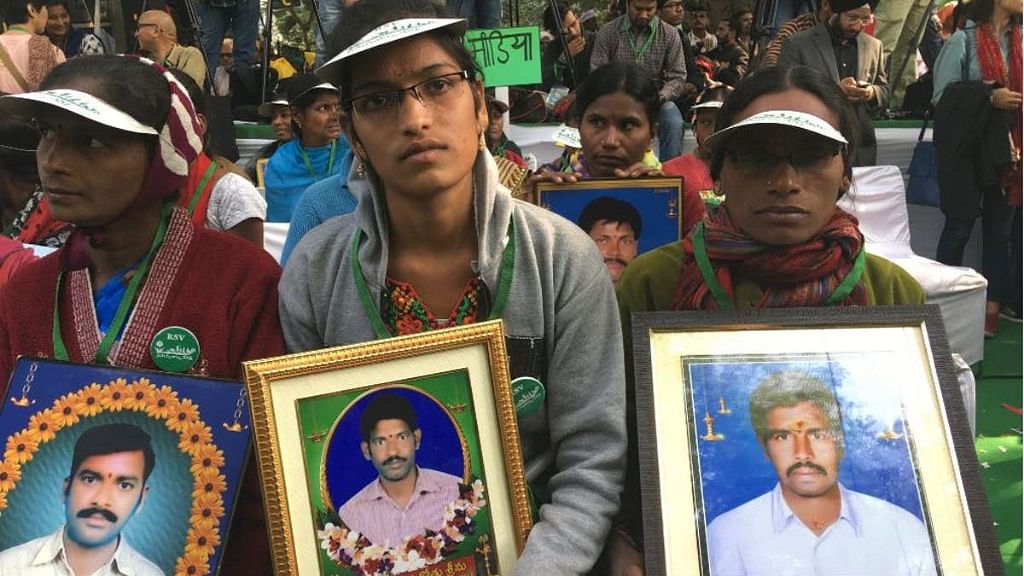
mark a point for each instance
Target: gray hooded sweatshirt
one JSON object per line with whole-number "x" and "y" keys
{"x": 562, "y": 327}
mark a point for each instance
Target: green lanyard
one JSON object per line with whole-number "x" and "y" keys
{"x": 639, "y": 54}
{"x": 202, "y": 186}
{"x": 707, "y": 272}
{"x": 60, "y": 351}
{"x": 309, "y": 165}
{"x": 508, "y": 261}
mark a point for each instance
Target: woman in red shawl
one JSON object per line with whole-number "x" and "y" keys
{"x": 116, "y": 138}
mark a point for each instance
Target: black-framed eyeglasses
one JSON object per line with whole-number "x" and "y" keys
{"x": 754, "y": 160}
{"x": 434, "y": 92}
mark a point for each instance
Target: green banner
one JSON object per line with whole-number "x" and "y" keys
{"x": 508, "y": 56}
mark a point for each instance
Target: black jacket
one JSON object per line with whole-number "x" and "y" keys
{"x": 972, "y": 146}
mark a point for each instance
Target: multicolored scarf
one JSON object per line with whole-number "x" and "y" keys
{"x": 1005, "y": 73}
{"x": 179, "y": 143}
{"x": 790, "y": 276}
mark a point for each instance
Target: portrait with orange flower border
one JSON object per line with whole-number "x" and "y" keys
{"x": 195, "y": 437}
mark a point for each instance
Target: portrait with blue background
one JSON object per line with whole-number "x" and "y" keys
{"x": 659, "y": 202}
{"x": 159, "y": 529}
{"x": 346, "y": 469}
{"x": 733, "y": 468}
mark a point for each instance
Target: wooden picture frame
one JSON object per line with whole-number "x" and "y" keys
{"x": 894, "y": 440}
{"x": 261, "y": 174}
{"x": 658, "y": 201}
{"x": 306, "y": 411}
{"x": 176, "y": 518}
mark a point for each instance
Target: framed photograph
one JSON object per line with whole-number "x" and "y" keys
{"x": 813, "y": 441}
{"x": 391, "y": 457}
{"x": 656, "y": 203}
{"x": 111, "y": 466}
{"x": 261, "y": 173}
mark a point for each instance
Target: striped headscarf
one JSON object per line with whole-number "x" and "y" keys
{"x": 180, "y": 142}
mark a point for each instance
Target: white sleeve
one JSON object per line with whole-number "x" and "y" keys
{"x": 233, "y": 201}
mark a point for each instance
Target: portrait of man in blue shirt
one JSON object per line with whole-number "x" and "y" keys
{"x": 810, "y": 523}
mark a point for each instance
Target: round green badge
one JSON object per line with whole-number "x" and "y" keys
{"x": 174, "y": 349}
{"x": 528, "y": 395}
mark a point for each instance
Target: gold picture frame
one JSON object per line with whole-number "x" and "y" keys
{"x": 261, "y": 173}
{"x": 305, "y": 409}
{"x": 873, "y": 406}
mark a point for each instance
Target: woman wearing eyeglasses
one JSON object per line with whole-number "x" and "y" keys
{"x": 782, "y": 158}
{"x": 316, "y": 151}
{"x": 437, "y": 241}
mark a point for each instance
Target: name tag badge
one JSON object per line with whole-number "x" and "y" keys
{"x": 527, "y": 394}
{"x": 174, "y": 349}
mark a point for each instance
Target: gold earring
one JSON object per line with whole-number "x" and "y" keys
{"x": 483, "y": 141}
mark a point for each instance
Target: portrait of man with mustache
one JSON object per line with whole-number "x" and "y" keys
{"x": 106, "y": 487}
{"x": 615, "y": 227}
{"x": 404, "y": 499}
{"x": 810, "y": 523}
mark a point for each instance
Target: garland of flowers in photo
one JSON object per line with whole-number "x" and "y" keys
{"x": 179, "y": 415}
{"x": 351, "y": 549}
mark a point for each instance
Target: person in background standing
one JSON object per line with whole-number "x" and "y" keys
{"x": 217, "y": 17}
{"x": 26, "y": 57}
{"x": 479, "y": 13}
{"x": 977, "y": 97}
